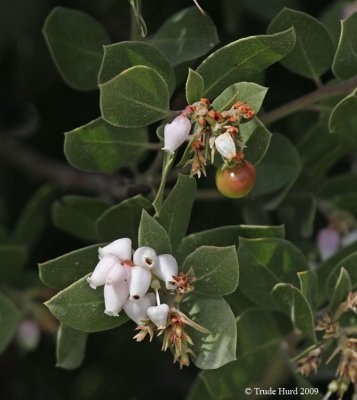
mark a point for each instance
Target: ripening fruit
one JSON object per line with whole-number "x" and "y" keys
{"x": 236, "y": 182}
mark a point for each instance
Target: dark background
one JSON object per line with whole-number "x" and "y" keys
{"x": 36, "y": 107}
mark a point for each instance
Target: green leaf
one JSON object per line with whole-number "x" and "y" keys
{"x": 198, "y": 391}
{"x": 264, "y": 263}
{"x": 226, "y": 236}
{"x": 70, "y": 347}
{"x": 135, "y": 5}
{"x": 345, "y": 61}
{"x": 247, "y": 92}
{"x": 33, "y": 218}
{"x": 136, "y": 97}
{"x": 120, "y": 56}
{"x": 280, "y": 167}
{"x": 68, "y": 268}
{"x": 77, "y": 215}
{"x": 175, "y": 213}
{"x": 293, "y": 303}
{"x": 216, "y": 269}
{"x": 256, "y": 138}
{"x": 101, "y": 147}
{"x": 194, "y": 86}
{"x": 342, "y": 288}
{"x": 349, "y": 264}
{"x": 325, "y": 269}
{"x": 122, "y": 220}
{"x": 307, "y": 58}
{"x": 258, "y": 344}
{"x": 242, "y": 59}
{"x": 13, "y": 259}
{"x": 344, "y": 111}
{"x": 82, "y": 308}
{"x": 185, "y": 36}
{"x": 309, "y": 287}
{"x": 75, "y": 41}
{"x": 218, "y": 347}
{"x": 10, "y": 318}
{"x": 152, "y": 234}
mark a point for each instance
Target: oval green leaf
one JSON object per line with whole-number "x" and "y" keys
{"x": 137, "y": 97}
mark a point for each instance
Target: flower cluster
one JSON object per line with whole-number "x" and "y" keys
{"x": 127, "y": 281}
{"x": 214, "y": 132}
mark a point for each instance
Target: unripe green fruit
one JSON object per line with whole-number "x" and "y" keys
{"x": 236, "y": 182}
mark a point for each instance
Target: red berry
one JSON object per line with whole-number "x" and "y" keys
{"x": 236, "y": 182}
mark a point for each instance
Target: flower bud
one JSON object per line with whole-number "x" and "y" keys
{"x": 158, "y": 315}
{"x": 225, "y": 146}
{"x": 100, "y": 273}
{"x": 176, "y": 133}
{"x": 137, "y": 310}
{"x": 165, "y": 269}
{"x": 328, "y": 242}
{"x": 28, "y": 334}
{"x": 350, "y": 238}
{"x": 145, "y": 257}
{"x": 115, "y": 295}
{"x": 139, "y": 282}
{"x": 120, "y": 248}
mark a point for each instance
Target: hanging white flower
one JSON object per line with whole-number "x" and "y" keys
{"x": 139, "y": 282}
{"x": 225, "y": 146}
{"x": 100, "y": 273}
{"x": 158, "y": 315}
{"x": 120, "y": 248}
{"x": 165, "y": 269}
{"x": 137, "y": 310}
{"x": 115, "y": 295}
{"x": 145, "y": 257}
{"x": 176, "y": 133}
{"x": 328, "y": 242}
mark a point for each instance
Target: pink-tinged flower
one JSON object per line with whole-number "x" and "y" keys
{"x": 145, "y": 257}
{"x": 328, "y": 242}
{"x": 165, "y": 269}
{"x": 350, "y": 238}
{"x": 137, "y": 310}
{"x": 99, "y": 275}
{"x": 115, "y": 295}
{"x": 158, "y": 315}
{"x": 120, "y": 248}
{"x": 225, "y": 146}
{"x": 176, "y": 133}
{"x": 118, "y": 274}
{"x": 28, "y": 334}
{"x": 139, "y": 282}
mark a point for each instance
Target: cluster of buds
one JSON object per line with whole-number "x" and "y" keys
{"x": 127, "y": 281}
{"x": 214, "y": 132}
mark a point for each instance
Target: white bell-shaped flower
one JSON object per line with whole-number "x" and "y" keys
{"x": 350, "y": 238}
{"x": 165, "y": 269}
{"x": 328, "y": 242}
{"x": 145, "y": 257}
{"x": 137, "y": 310}
{"x": 100, "y": 273}
{"x": 139, "y": 282}
{"x": 158, "y": 315}
{"x": 120, "y": 248}
{"x": 115, "y": 295}
{"x": 176, "y": 133}
{"x": 225, "y": 145}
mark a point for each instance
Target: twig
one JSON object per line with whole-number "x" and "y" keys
{"x": 301, "y": 103}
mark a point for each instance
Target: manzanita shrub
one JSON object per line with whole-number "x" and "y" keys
{"x": 237, "y": 301}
